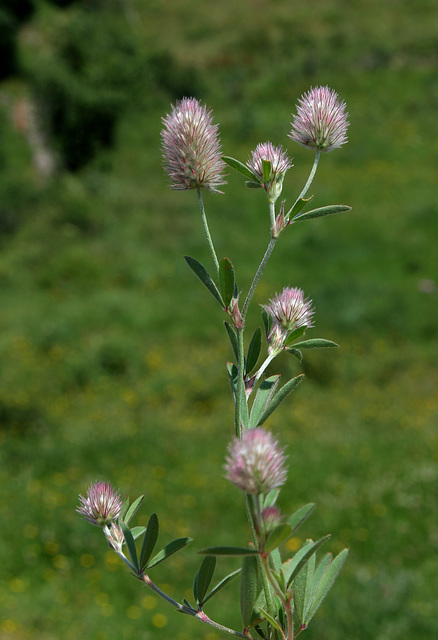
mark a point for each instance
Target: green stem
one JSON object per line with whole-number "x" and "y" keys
{"x": 258, "y": 275}
{"x": 309, "y": 180}
{"x": 200, "y": 615}
{"x": 264, "y": 366}
{"x": 262, "y": 569}
{"x": 290, "y": 621}
{"x": 272, "y": 242}
{"x": 272, "y": 214}
{"x": 286, "y": 603}
{"x": 241, "y": 404}
{"x": 207, "y": 230}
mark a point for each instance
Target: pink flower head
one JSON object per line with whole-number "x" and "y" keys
{"x": 280, "y": 163}
{"x": 191, "y": 147}
{"x": 321, "y": 120}
{"x": 290, "y": 310}
{"x": 278, "y": 158}
{"x": 102, "y": 505}
{"x": 256, "y": 464}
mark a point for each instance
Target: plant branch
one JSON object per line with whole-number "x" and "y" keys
{"x": 309, "y": 181}
{"x": 258, "y": 275}
{"x": 207, "y": 230}
{"x": 199, "y": 615}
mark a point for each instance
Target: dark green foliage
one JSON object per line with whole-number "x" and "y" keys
{"x": 91, "y": 76}
{"x": 12, "y": 14}
{"x": 8, "y": 46}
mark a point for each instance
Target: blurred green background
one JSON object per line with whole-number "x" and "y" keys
{"x": 113, "y": 356}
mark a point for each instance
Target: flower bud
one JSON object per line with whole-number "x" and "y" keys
{"x": 279, "y": 164}
{"x": 271, "y": 518}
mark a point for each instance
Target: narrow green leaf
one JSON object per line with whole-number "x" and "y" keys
{"x": 233, "y": 339}
{"x": 295, "y": 564}
{"x": 280, "y": 396}
{"x": 294, "y": 335}
{"x": 133, "y": 509}
{"x": 254, "y": 349}
{"x": 244, "y": 417}
{"x": 232, "y": 376}
{"x": 248, "y": 589}
{"x": 241, "y": 168}
{"x": 267, "y": 322}
{"x": 253, "y": 185}
{"x": 321, "y": 211}
{"x": 228, "y": 551}
{"x": 222, "y": 584}
{"x": 169, "y": 550}
{"x": 300, "y": 515}
{"x": 205, "y": 278}
{"x": 271, "y": 498}
{"x": 275, "y": 560}
{"x": 130, "y": 543}
{"x": 303, "y": 589}
{"x": 298, "y": 206}
{"x": 321, "y": 569}
{"x": 124, "y": 510}
{"x": 149, "y": 540}
{"x": 272, "y": 621}
{"x": 315, "y": 343}
{"x": 203, "y": 578}
{"x": 280, "y": 534}
{"x": 260, "y": 632}
{"x": 266, "y": 168}
{"x": 326, "y": 583}
{"x": 297, "y": 353}
{"x": 264, "y": 394}
{"x": 226, "y": 280}
{"x": 137, "y": 532}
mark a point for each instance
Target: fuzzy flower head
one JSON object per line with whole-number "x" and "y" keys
{"x": 279, "y": 164}
{"x": 191, "y": 147}
{"x": 102, "y": 505}
{"x": 321, "y": 120}
{"x": 289, "y": 310}
{"x": 256, "y": 464}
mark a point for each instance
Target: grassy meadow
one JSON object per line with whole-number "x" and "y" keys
{"x": 113, "y": 355}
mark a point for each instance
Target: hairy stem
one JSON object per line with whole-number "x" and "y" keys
{"x": 309, "y": 181}
{"x": 199, "y": 615}
{"x": 207, "y": 230}
{"x": 258, "y": 275}
{"x": 262, "y": 569}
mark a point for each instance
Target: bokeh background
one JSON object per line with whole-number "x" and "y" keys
{"x": 112, "y": 354}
